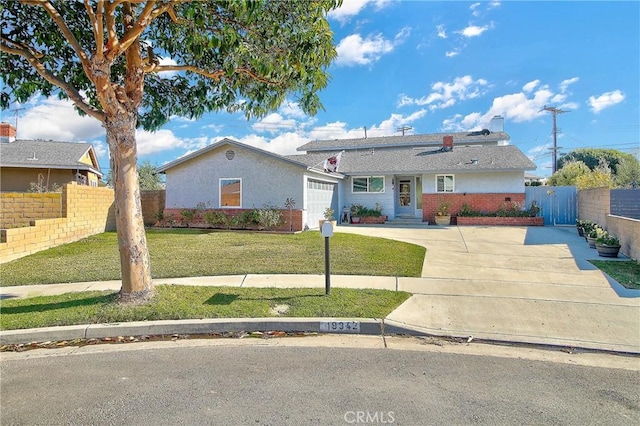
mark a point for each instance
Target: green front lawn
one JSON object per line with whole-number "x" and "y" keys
{"x": 188, "y": 302}
{"x": 626, "y": 273}
{"x": 189, "y": 252}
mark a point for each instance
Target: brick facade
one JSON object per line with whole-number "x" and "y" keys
{"x": 488, "y": 202}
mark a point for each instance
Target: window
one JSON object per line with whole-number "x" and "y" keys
{"x": 444, "y": 183}
{"x": 367, "y": 184}
{"x": 230, "y": 192}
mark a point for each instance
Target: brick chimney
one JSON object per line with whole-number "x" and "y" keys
{"x": 7, "y": 133}
{"x": 447, "y": 143}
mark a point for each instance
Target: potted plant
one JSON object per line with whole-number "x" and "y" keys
{"x": 442, "y": 213}
{"x": 580, "y": 226}
{"x": 607, "y": 245}
{"x": 595, "y": 233}
{"x": 328, "y": 215}
{"x": 356, "y": 211}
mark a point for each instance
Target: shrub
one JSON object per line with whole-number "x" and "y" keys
{"x": 269, "y": 217}
{"x": 217, "y": 219}
{"x": 607, "y": 239}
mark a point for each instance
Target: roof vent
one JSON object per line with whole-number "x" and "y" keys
{"x": 230, "y": 154}
{"x": 33, "y": 158}
{"x": 474, "y": 161}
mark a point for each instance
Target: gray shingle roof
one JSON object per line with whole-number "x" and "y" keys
{"x": 226, "y": 141}
{"x": 421, "y": 160}
{"x": 46, "y": 154}
{"x": 431, "y": 139}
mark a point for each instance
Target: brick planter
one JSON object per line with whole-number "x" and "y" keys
{"x": 500, "y": 221}
{"x": 373, "y": 220}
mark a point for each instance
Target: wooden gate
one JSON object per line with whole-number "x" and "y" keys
{"x": 559, "y": 203}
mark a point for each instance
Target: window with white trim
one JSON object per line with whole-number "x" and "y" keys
{"x": 367, "y": 184}
{"x": 230, "y": 192}
{"x": 445, "y": 183}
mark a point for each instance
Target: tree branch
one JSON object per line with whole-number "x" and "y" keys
{"x": 215, "y": 75}
{"x": 69, "y": 90}
{"x": 68, "y": 35}
{"x": 147, "y": 15}
{"x": 96, "y": 25}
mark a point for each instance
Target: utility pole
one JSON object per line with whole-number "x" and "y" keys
{"x": 554, "y": 151}
{"x": 403, "y": 129}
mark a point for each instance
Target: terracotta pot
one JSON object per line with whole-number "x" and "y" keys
{"x": 443, "y": 220}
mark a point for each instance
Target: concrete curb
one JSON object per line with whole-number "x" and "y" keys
{"x": 368, "y": 326}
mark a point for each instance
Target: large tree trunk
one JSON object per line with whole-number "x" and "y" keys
{"x": 132, "y": 241}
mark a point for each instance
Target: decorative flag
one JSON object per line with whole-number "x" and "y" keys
{"x": 331, "y": 164}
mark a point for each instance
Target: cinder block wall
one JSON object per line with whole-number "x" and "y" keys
{"x": 85, "y": 211}
{"x": 152, "y": 203}
{"x": 19, "y": 208}
{"x": 628, "y": 232}
{"x": 593, "y": 204}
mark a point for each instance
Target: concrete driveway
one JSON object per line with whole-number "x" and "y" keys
{"x": 516, "y": 284}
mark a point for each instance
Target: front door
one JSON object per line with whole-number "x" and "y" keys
{"x": 405, "y": 196}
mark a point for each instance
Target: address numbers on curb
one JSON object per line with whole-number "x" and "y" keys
{"x": 340, "y": 327}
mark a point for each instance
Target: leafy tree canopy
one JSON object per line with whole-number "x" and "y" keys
{"x": 150, "y": 180}
{"x": 591, "y": 157}
{"x": 628, "y": 175}
{"x": 568, "y": 174}
{"x": 227, "y": 55}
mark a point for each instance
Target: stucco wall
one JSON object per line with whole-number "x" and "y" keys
{"x": 85, "y": 211}
{"x": 490, "y": 182}
{"x": 386, "y": 199}
{"x": 265, "y": 180}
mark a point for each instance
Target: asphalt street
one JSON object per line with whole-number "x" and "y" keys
{"x": 277, "y": 382}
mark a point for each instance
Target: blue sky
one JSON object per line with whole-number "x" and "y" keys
{"x": 435, "y": 67}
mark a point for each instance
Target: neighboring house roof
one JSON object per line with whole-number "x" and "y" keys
{"x": 420, "y": 160}
{"x": 432, "y": 139}
{"x": 34, "y": 154}
{"x": 226, "y": 141}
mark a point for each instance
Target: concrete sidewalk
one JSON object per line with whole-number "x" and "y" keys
{"x": 526, "y": 285}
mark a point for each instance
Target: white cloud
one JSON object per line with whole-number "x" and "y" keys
{"x": 564, "y": 85}
{"x": 606, "y": 100}
{"x": 274, "y": 123}
{"x": 474, "y": 9}
{"x": 56, "y": 119}
{"x": 292, "y": 109}
{"x": 452, "y": 53}
{"x": 517, "y": 107}
{"x": 354, "y": 50}
{"x": 442, "y": 33}
{"x": 530, "y": 86}
{"x": 473, "y": 30}
{"x": 167, "y": 74}
{"x": 351, "y": 8}
{"x": 153, "y": 142}
{"x": 444, "y": 95}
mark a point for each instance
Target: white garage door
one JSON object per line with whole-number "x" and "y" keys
{"x": 320, "y": 195}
